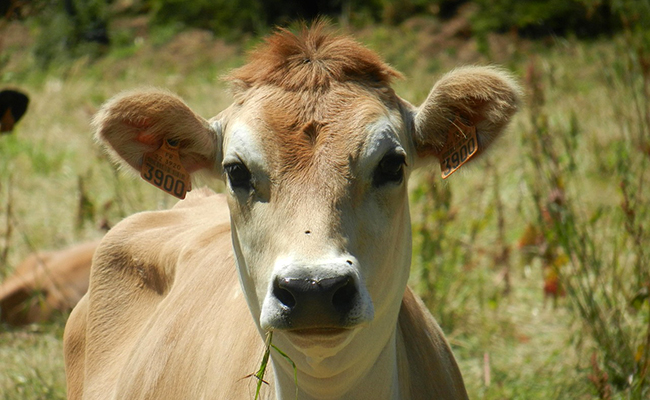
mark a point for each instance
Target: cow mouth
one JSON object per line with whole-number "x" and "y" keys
{"x": 319, "y": 332}
{"x": 319, "y": 339}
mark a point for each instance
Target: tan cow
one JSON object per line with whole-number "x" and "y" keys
{"x": 46, "y": 282}
{"x": 316, "y": 151}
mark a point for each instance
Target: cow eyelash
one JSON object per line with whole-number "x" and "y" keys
{"x": 389, "y": 170}
{"x": 238, "y": 175}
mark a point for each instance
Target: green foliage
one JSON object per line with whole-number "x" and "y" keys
{"x": 30, "y": 362}
{"x": 34, "y": 157}
{"x": 70, "y": 29}
{"x": 52, "y": 45}
{"x": 439, "y": 253}
{"x": 79, "y": 28}
{"x": 600, "y": 254}
{"x": 223, "y": 17}
{"x": 397, "y": 11}
{"x": 544, "y": 17}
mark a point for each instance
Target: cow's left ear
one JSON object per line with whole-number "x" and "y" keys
{"x": 134, "y": 124}
{"x": 468, "y": 101}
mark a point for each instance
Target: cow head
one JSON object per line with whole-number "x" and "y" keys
{"x": 316, "y": 152}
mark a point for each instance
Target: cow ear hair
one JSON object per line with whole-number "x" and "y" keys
{"x": 481, "y": 98}
{"x": 136, "y": 123}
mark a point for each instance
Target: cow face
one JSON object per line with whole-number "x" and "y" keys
{"x": 319, "y": 206}
{"x": 316, "y": 152}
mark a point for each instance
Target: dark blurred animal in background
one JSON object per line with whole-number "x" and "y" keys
{"x": 13, "y": 105}
{"x": 46, "y": 283}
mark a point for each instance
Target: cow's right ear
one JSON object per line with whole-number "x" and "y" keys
{"x": 137, "y": 123}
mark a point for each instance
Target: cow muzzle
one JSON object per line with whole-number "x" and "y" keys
{"x": 316, "y": 298}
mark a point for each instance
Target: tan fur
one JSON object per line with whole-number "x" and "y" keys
{"x": 164, "y": 293}
{"x": 485, "y": 97}
{"x": 159, "y": 114}
{"x": 307, "y": 138}
{"x": 312, "y": 60}
{"x": 165, "y": 317}
{"x": 44, "y": 283}
{"x": 426, "y": 362}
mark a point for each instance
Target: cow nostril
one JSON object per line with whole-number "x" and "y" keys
{"x": 283, "y": 295}
{"x": 344, "y": 296}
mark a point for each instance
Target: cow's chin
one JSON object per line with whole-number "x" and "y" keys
{"x": 320, "y": 343}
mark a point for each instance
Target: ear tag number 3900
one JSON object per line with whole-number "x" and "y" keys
{"x": 164, "y": 170}
{"x": 461, "y": 145}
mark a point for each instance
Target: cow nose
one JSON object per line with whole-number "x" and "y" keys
{"x": 316, "y": 295}
{"x": 321, "y": 294}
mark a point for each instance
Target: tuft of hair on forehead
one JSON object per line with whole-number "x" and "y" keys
{"x": 314, "y": 58}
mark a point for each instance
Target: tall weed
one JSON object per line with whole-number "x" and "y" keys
{"x": 598, "y": 251}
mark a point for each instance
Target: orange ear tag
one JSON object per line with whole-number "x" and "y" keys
{"x": 164, "y": 170}
{"x": 461, "y": 145}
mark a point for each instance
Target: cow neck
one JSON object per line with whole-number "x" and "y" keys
{"x": 374, "y": 378}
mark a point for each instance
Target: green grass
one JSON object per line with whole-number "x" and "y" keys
{"x": 31, "y": 366}
{"x": 581, "y": 129}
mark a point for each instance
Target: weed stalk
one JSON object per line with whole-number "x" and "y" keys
{"x": 598, "y": 280}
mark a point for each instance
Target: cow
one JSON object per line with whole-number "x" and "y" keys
{"x": 45, "y": 283}
{"x": 13, "y": 105}
{"x": 312, "y": 237}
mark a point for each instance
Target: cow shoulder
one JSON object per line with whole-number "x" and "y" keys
{"x": 164, "y": 292}
{"x": 74, "y": 349}
{"x": 133, "y": 270}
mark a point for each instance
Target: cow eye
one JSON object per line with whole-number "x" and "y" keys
{"x": 238, "y": 175}
{"x": 390, "y": 169}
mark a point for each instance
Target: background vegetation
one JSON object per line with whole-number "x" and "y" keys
{"x": 535, "y": 261}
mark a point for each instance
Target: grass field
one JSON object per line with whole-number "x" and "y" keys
{"x": 535, "y": 260}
